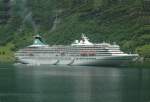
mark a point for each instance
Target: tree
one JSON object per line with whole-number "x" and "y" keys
{"x": 144, "y": 51}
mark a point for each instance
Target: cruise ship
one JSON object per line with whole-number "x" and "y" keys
{"x": 81, "y": 53}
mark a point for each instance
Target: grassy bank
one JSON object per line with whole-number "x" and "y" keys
{"x": 6, "y": 54}
{"x": 7, "y": 59}
{"x": 144, "y": 64}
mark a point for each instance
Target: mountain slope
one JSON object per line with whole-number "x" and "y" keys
{"x": 62, "y": 21}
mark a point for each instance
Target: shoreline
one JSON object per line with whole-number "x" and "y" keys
{"x": 145, "y": 64}
{"x": 10, "y": 59}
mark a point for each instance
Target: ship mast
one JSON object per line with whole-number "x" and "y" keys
{"x": 84, "y": 41}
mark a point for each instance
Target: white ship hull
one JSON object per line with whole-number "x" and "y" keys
{"x": 80, "y": 61}
{"x": 37, "y": 61}
{"x": 107, "y": 61}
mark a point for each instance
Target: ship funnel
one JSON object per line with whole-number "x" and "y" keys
{"x": 38, "y": 40}
{"x": 37, "y": 36}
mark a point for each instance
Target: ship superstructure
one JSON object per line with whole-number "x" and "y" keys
{"x": 80, "y": 52}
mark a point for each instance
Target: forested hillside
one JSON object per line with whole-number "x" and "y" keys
{"x": 126, "y": 22}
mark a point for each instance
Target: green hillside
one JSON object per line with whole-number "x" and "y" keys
{"x": 61, "y": 21}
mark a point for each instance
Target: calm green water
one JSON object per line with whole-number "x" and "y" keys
{"x": 73, "y": 84}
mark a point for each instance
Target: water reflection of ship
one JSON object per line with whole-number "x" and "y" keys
{"x": 81, "y": 84}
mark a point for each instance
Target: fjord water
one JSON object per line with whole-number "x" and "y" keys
{"x": 73, "y": 84}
